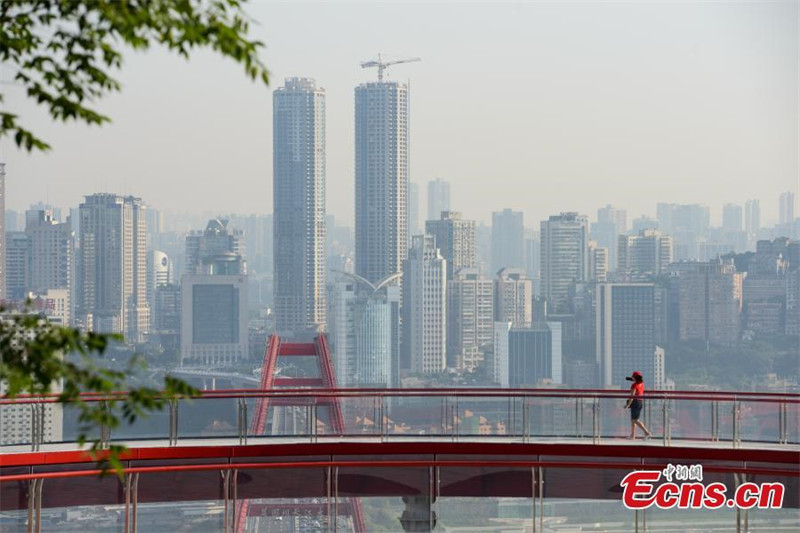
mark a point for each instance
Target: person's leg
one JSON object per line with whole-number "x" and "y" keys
{"x": 644, "y": 428}
{"x": 633, "y": 429}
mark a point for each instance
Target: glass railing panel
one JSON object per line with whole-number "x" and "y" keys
{"x": 361, "y": 415}
{"x": 417, "y": 416}
{"x": 760, "y": 421}
{"x": 386, "y": 497}
{"x": 207, "y": 418}
{"x": 487, "y": 498}
{"x": 284, "y": 499}
{"x": 485, "y": 417}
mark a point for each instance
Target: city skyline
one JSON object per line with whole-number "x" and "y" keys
{"x": 604, "y": 171}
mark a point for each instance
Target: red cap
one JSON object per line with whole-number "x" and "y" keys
{"x": 636, "y": 374}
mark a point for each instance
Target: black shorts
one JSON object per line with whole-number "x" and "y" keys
{"x": 636, "y": 409}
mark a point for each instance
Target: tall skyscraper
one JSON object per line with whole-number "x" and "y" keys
{"x": 413, "y": 209}
{"x": 752, "y": 216}
{"x": 455, "y": 238}
{"x": 381, "y": 178}
{"x": 732, "y": 217}
{"x": 786, "y": 208}
{"x": 214, "y": 297}
{"x": 643, "y": 256}
{"x": 625, "y": 339}
{"x": 2, "y": 231}
{"x": 425, "y": 307}
{"x": 114, "y": 265}
{"x": 565, "y": 257}
{"x": 508, "y": 240}
{"x": 513, "y": 301}
{"x": 470, "y": 319}
{"x": 438, "y": 198}
{"x": 299, "y": 207}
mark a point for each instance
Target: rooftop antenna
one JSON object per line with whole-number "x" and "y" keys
{"x": 382, "y": 65}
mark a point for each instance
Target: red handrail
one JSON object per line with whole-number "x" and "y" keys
{"x": 392, "y": 464}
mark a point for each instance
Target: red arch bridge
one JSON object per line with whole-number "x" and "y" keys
{"x": 298, "y": 454}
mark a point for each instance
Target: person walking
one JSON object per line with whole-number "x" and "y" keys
{"x": 635, "y": 404}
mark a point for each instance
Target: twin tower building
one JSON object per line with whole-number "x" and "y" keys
{"x": 381, "y": 196}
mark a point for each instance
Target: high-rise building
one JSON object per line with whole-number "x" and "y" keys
{"x": 214, "y": 297}
{"x": 686, "y": 224}
{"x": 709, "y": 301}
{"x": 611, "y": 223}
{"x": 470, "y": 319}
{"x": 425, "y": 307}
{"x": 381, "y": 178}
{"x": 455, "y": 239}
{"x": 793, "y": 302}
{"x": 3, "y": 230}
{"x": 160, "y": 271}
{"x": 618, "y": 217}
{"x": 643, "y": 256}
{"x": 625, "y": 339}
{"x": 299, "y": 207}
{"x": 497, "y": 367}
{"x": 219, "y": 239}
{"x": 565, "y": 257}
{"x": 438, "y": 198}
{"x": 51, "y": 251}
{"x": 166, "y": 323}
{"x": 513, "y": 298}
{"x": 752, "y": 217}
{"x": 598, "y": 262}
{"x": 114, "y": 265}
{"x": 213, "y": 319}
{"x": 534, "y": 354}
{"x": 532, "y": 254}
{"x": 786, "y": 208}
{"x": 508, "y": 240}
{"x": 643, "y": 223}
{"x": 363, "y": 331}
{"x": 732, "y": 217}
{"x": 17, "y": 265}
{"x": 413, "y": 209}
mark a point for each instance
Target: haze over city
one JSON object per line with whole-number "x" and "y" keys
{"x": 540, "y": 107}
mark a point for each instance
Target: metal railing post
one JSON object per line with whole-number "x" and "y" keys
{"x": 595, "y": 420}
{"x": 241, "y": 420}
{"x": 173, "y": 422}
{"x": 666, "y": 422}
{"x": 381, "y": 416}
{"x": 105, "y": 431}
{"x": 456, "y": 420}
{"x": 526, "y": 419}
{"x": 735, "y": 411}
{"x": 314, "y": 422}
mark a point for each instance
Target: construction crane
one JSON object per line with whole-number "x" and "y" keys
{"x": 383, "y": 65}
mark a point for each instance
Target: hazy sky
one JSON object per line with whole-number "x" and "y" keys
{"x": 541, "y": 107}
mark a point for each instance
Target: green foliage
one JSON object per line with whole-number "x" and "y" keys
{"x": 39, "y": 358}
{"x": 742, "y": 366}
{"x": 63, "y": 50}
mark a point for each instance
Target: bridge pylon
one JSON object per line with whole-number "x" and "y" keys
{"x": 326, "y": 379}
